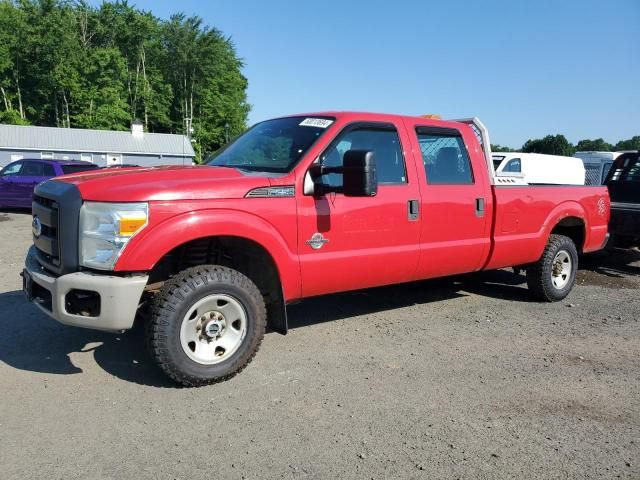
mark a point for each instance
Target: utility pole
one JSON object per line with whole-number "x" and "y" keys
{"x": 188, "y": 128}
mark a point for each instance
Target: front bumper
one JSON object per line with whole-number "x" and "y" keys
{"x": 117, "y": 298}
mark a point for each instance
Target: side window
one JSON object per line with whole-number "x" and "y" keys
{"x": 514, "y": 166}
{"x": 48, "y": 170}
{"x": 385, "y": 144}
{"x": 605, "y": 171}
{"x": 12, "y": 169}
{"x": 32, "y": 169}
{"x": 444, "y": 156}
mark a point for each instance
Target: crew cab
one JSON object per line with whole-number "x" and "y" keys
{"x": 296, "y": 207}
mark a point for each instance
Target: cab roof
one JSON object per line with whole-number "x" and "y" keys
{"x": 374, "y": 116}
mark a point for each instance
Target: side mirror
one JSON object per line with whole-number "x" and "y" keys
{"x": 359, "y": 176}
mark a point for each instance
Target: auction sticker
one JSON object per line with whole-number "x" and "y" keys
{"x": 316, "y": 122}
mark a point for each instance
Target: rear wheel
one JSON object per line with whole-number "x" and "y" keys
{"x": 553, "y": 276}
{"x": 207, "y": 324}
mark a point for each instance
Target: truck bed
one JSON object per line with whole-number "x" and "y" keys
{"x": 524, "y": 216}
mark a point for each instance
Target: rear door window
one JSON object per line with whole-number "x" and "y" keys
{"x": 444, "y": 156}
{"x": 48, "y": 170}
{"x": 32, "y": 169}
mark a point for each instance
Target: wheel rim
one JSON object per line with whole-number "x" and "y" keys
{"x": 213, "y": 329}
{"x": 561, "y": 269}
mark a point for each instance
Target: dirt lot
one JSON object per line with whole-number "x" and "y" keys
{"x": 455, "y": 378}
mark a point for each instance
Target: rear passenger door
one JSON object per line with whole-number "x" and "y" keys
{"x": 455, "y": 229}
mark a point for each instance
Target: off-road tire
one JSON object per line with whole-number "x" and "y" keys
{"x": 172, "y": 303}
{"x": 539, "y": 275}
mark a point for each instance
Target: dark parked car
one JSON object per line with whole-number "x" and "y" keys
{"x": 18, "y": 179}
{"x": 623, "y": 181}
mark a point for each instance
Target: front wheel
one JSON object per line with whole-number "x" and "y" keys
{"x": 553, "y": 276}
{"x": 207, "y": 324}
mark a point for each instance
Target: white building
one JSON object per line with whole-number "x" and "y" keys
{"x": 102, "y": 147}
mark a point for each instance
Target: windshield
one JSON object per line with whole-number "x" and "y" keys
{"x": 272, "y": 146}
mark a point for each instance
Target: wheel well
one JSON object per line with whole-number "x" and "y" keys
{"x": 572, "y": 227}
{"x": 241, "y": 254}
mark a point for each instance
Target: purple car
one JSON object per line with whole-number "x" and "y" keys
{"x": 18, "y": 179}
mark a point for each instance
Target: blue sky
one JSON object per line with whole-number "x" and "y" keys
{"x": 526, "y": 68}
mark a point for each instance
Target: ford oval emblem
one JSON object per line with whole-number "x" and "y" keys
{"x": 36, "y": 227}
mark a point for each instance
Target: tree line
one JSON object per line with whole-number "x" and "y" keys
{"x": 67, "y": 64}
{"x": 559, "y": 145}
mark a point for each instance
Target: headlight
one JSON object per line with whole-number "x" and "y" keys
{"x": 105, "y": 229}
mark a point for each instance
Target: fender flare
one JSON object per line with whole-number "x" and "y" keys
{"x": 145, "y": 249}
{"x": 569, "y": 208}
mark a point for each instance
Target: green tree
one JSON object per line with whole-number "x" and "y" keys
{"x": 101, "y": 102}
{"x": 209, "y": 88}
{"x": 12, "y": 26}
{"x": 502, "y": 148}
{"x": 597, "y": 145}
{"x": 550, "y": 145}
{"x": 69, "y": 64}
{"x": 630, "y": 144}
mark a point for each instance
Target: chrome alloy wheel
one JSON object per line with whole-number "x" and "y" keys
{"x": 213, "y": 329}
{"x": 561, "y": 269}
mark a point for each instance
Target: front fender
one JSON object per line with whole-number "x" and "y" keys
{"x": 151, "y": 244}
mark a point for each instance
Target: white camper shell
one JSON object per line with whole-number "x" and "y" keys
{"x": 537, "y": 169}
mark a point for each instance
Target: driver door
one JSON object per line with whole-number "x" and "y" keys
{"x": 348, "y": 243}
{"x": 8, "y": 178}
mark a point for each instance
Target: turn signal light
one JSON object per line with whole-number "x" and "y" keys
{"x": 129, "y": 226}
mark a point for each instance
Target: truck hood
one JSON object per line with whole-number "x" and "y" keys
{"x": 165, "y": 183}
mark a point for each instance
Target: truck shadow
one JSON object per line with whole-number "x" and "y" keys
{"x": 33, "y": 342}
{"x": 612, "y": 263}
{"x": 498, "y": 284}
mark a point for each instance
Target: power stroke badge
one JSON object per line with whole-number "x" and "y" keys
{"x": 317, "y": 241}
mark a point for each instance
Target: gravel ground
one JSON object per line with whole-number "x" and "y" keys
{"x": 454, "y": 378}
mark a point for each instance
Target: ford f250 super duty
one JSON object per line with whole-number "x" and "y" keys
{"x": 299, "y": 206}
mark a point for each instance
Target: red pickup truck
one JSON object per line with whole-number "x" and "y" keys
{"x": 296, "y": 207}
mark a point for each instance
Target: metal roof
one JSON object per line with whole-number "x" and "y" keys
{"x": 21, "y": 137}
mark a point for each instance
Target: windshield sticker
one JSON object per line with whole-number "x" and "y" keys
{"x": 316, "y": 122}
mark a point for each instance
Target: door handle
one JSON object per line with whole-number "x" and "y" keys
{"x": 413, "y": 210}
{"x": 479, "y": 207}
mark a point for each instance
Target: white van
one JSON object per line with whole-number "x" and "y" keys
{"x": 536, "y": 168}
{"x": 597, "y": 165}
